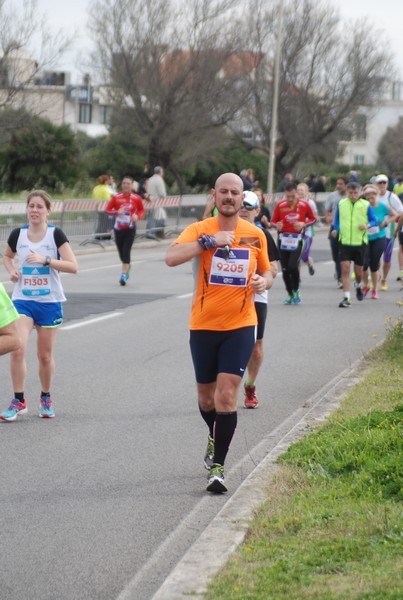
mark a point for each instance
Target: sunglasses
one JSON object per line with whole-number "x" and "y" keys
{"x": 248, "y": 206}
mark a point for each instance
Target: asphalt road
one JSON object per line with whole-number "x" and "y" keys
{"x": 112, "y": 490}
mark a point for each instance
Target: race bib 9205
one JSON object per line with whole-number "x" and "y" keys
{"x": 231, "y": 270}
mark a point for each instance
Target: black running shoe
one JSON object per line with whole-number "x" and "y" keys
{"x": 345, "y": 303}
{"x": 215, "y": 479}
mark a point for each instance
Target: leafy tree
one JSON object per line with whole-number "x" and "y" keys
{"x": 39, "y": 154}
{"x": 110, "y": 154}
{"x": 390, "y": 149}
{"x": 233, "y": 156}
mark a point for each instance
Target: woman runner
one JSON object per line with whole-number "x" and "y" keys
{"x": 43, "y": 250}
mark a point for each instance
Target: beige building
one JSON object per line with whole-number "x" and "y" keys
{"x": 51, "y": 95}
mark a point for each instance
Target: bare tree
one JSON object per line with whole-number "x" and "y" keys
{"x": 327, "y": 72}
{"x": 27, "y": 48}
{"x": 175, "y": 71}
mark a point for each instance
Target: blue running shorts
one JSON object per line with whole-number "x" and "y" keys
{"x": 43, "y": 314}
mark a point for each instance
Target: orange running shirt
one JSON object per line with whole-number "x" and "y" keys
{"x": 223, "y": 298}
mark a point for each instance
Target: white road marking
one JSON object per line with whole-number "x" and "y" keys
{"x": 136, "y": 262}
{"x": 91, "y": 321}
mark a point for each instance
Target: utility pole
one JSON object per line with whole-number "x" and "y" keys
{"x": 276, "y": 87}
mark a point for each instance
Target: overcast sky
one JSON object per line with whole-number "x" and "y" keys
{"x": 72, "y": 15}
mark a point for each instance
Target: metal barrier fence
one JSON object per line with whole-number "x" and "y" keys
{"x": 80, "y": 219}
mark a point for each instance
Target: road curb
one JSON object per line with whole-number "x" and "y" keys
{"x": 210, "y": 552}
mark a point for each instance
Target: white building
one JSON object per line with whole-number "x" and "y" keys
{"x": 370, "y": 124}
{"x": 87, "y": 109}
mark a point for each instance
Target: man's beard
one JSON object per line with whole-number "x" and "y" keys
{"x": 225, "y": 214}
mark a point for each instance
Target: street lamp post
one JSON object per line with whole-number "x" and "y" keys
{"x": 276, "y": 87}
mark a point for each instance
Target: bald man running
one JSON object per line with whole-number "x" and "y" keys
{"x": 232, "y": 267}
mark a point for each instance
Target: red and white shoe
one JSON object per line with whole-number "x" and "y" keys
{"x": 251, "y": 400}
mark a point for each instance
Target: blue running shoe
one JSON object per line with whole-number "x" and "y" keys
{"x": 46, "y": 409}
{"x": 296, "y": 297}
{"x": 123, "y": 278}
{"x": 288, "y": 300}
{"x": 16, "y": 408}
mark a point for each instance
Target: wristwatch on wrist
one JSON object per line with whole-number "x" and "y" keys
{"x": 47, "y": 261}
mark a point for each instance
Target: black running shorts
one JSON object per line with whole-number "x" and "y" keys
{"x": 216, "y": 352}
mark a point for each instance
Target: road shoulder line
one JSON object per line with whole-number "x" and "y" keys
{"x": 227, "y": 530}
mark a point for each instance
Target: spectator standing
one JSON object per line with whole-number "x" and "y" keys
{"x": 111, "y": 185}
{"x": 320, "y": 185}
{"x": 157, "y": 215}
{"x": 311, "y": 182}
{"x": 250, "y": 176}
{"x": 147, "y": 171}
{"x": 43, "y": 253}
{"x": 263, "y": 216}
{"x": 288, "y": 178}
{"x": 247, "y": 183}
{"x": 211, "y": 209}
{"x": 232, "y": 267}
{"x": 354, "y": 177}
{"x": 391, "y": 200}
{"x": 101, "y": 193}
{"x": 128, "y": 208}
{"x": 398, "y": 187}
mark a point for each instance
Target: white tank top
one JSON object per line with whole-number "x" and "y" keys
{"x": 37, "y": 282}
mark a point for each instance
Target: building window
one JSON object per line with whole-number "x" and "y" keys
{"x": 360, "y": 128}
{"x": 84, "y": 113}
{"x": 396, "y": 90}
{"x": 105, "y": 114}
{"x": 359, "y": 159}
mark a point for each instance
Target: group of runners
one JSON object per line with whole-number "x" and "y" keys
{"x": 235, "y": 263}
{"x": 233, "y": 270}
{"x": 364, "y": 223}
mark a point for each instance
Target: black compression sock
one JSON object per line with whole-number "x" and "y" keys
{"x": 209, "y": 418}
{"x": 225, "y": 425}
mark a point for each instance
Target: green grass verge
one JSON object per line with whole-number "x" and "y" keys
{"x": 331, "y": 527}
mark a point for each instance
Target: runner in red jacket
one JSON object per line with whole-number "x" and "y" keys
{"x": 128, "y": 208}
{"x": 290, "y": 217}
